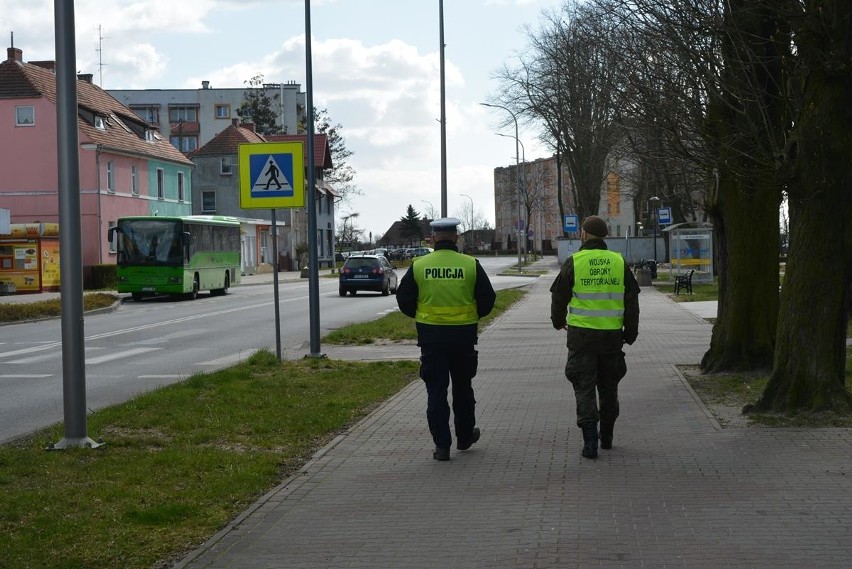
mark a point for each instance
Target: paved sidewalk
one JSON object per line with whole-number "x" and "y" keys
{"x": 675, "y": 491}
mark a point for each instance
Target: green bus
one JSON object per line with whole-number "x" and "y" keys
{"x": 176, "y": 255}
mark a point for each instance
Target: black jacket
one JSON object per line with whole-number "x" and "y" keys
{"x": 585, "y": 339}
{"x": 483, "y": 293}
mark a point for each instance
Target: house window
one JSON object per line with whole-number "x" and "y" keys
{"x": 24, "y": 116}
{"x": 161, "y": 184}
{"x": 180, "y": 187}
{"x": 225, "y": 166}
{"x": 208, "y": 201}
{"x": 110, "y": 177}
{"x": 183, "y": 114}
{"x": 134, "y": 181}
{"x": 148, "y": 113}
{"x": 100, "y": 123}
{"x": 223, "y": 111}
{"x": 184, "y": 143}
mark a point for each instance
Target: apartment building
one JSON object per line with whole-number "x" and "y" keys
{"x": 190, "y": 118}
{"x": 539, "y": 213}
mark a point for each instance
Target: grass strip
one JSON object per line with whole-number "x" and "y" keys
{"x": 17, "y": 312}
{"x": 179, "y": 463}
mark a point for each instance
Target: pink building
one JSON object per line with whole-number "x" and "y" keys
{"x": 126, "y": 167}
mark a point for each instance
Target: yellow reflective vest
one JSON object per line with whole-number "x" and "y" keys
{"x": 445, "y": 284}
{"x": 597, "y": 299}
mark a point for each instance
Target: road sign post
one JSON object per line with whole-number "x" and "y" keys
{"x": 272, "y": 175}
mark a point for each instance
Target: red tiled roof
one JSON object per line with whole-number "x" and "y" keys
{"x": 322, "y": 152}
{"x": 20, "y": 80}
{"x": 226, "y": 143}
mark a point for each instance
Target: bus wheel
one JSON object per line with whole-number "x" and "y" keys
{"x": 195, "y": 286}
{"x": 222, "y": 291}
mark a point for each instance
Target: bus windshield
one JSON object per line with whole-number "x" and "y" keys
{"x": 149, "y": 242}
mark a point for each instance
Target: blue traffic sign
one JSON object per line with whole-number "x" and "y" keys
{"x": 570, "y": 223}
{"x": 664, "y": 214}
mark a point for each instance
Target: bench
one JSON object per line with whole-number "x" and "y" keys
{"x": 684, "y": 282}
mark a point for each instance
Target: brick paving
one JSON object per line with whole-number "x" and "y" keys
{"x": 675, "y": 491}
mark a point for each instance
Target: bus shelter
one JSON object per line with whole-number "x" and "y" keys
{"x": 691, "y": 248}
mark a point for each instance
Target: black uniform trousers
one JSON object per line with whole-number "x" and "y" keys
{"x": 439, "y": 363}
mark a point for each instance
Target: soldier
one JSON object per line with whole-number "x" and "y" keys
{"x": 447, "y": 293}
{"x": 600, "y": 297}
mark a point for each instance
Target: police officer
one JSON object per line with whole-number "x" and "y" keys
{"x": 597, "y": 292}
{"x": 447, "y": 293}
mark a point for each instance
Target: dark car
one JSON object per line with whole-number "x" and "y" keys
{"x": 367, "y": 272}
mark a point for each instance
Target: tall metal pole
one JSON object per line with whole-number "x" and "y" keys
{"x": 313, "y": 269}
{"x": 655, "y": 200}
{"x": 275, "y": 283}
{"x": 70, "y": 233}
{"x": 517, "y": 175}
{"x": 443, "y": 115}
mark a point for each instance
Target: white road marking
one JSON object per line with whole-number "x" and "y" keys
{"x": 26, "y": 376}
{"x": 119, "y": 355}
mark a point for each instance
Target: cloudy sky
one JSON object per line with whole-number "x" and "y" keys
{"x": 375, "y": 68}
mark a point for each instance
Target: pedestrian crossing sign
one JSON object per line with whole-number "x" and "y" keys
{"x": 272, "y": 175}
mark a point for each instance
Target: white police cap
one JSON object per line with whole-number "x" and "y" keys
{"x": 445, "y": 224}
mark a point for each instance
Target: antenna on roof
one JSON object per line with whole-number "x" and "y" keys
{"x": 12, "y": 41}
{"x": 101, "y": 64}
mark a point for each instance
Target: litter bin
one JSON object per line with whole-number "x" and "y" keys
{"x": 643, "y": 276}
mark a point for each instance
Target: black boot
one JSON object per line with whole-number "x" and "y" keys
{"x": 590, "y": 440}
{"x": 606, "y": 435}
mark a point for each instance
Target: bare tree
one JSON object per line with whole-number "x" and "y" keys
{"x": 342, "y": 174}
{"x": 810, "y": 358}
{"x": 568, "y": 84}
{"x": 762, "y": 83}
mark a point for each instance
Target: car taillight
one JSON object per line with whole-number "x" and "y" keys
{"x": 347, "y": 271}
{"x": 378, "y": 271}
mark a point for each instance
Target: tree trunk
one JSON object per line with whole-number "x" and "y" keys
{"x": 749, "y": 194}
{"x": 809, "y": 371}
{"x": 747, "y": 236}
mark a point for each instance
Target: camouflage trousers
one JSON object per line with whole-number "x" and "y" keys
{"x": 595, "y": 379}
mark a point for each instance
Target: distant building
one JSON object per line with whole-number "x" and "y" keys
{"x": 190, "y": 118}
{"x": 540, "y": 221}
{"x": 396, "y": 236}
{"x": 126, "y": 167}
{"x": 539, "y": 212}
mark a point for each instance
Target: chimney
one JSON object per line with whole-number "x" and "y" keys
{"x": 49, "y": 65}
{"x": 205, "y": 84}
{"x": 87, "y": 77}
{"x": 235, "y": 122}
{"x": 14, "y": 54}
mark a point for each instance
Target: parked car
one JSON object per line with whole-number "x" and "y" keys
{"x": 419, "y": 252}
{"x": 367, "y": 272}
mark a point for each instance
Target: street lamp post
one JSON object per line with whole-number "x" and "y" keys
{"x": 655, "y": 200}
{"x": 517, "y": 173}
{"x": 431, "y": 209}
{"x": 523, "y": 189}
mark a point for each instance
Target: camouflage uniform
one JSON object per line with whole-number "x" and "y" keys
{"x": 595, "y": 359}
